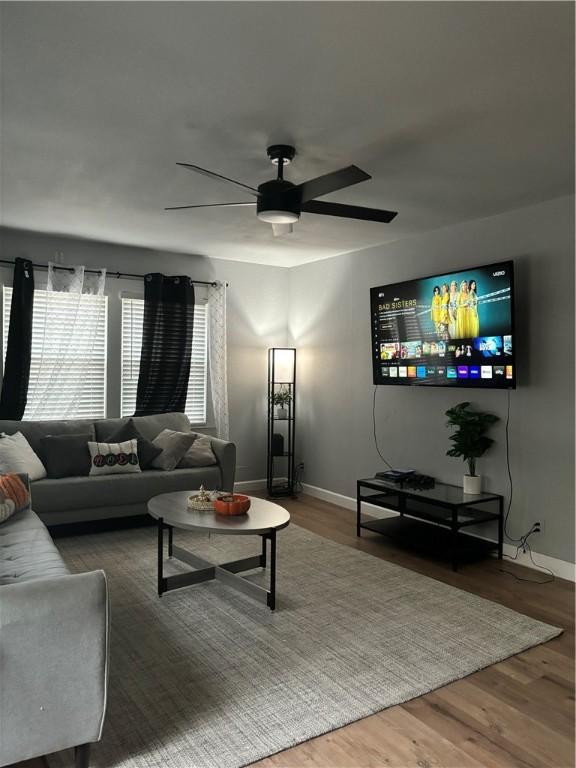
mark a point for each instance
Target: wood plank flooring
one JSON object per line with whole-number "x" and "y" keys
{"x": 516, "y": 714}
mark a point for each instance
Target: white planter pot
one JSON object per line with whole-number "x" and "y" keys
{"x": 473, "y": 484}
{"x": 281, "y": 413}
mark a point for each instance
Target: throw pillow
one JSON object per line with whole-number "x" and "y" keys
{"x": 200, "y": 453}
{"x": 14, "y": 495}
{"x": 174, "y": 445}
{"x": 17, "y": 457}
{"x": 66, "y": 455}
{"x": 114, "y": 458}
{"x": 147, "y": 451}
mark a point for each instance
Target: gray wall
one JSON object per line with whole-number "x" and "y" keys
{"x": 326, "y": 307}
{"x": 257, "y": 319}
{"x": 329, "y": 322}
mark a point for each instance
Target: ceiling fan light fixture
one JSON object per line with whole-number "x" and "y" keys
{"x": 280, "y": 202}
{"x": 278, "y": 217}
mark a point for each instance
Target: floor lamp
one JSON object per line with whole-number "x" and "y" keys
{"x": 281, "y": 421}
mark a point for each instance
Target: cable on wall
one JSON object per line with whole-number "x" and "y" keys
{"x": 522, "y": 544}
{"x": 374, "y": 430}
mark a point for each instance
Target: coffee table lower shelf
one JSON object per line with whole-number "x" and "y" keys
{"x": 227, "y": 573}
{"x": 430, "y": 538}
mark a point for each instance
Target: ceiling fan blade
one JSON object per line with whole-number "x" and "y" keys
{"x": 213, "y": 175}
{"x": 206, "y": 205}
{"x": 331, "y": 182}
{"x": 349, "y": 211}
{"x": 282, "y": 229}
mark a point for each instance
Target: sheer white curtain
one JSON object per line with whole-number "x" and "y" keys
{"x": 73, "y": 309}
{"x": 217, "y": 357}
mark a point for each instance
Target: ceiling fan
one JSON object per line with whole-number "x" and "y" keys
{"x": 280, "y": 202}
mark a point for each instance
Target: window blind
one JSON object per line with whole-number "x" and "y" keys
{"x": 132, "y": 321}
{"x": 82, "y": 383}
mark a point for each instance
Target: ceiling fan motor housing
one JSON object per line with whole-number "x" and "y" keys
{"x": 284, "y": 152}
{"x": 275, "y": 204}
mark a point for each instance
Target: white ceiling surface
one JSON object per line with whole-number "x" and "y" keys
{"x": 458, "y": 110}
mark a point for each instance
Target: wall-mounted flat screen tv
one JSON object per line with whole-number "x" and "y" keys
{"x": 453, "y": 330}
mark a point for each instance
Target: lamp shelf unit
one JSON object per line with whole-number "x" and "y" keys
{"x": 280, "y": 476}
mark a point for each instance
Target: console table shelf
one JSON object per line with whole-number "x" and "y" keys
{"x": 432, "y": 519}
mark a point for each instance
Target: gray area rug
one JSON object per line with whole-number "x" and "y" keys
{"x": 208, "y": 678}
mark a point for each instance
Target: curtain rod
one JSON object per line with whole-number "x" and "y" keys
{"x": 117, "y": 275}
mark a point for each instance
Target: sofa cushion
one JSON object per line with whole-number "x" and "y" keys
{"x": 147, "y": 451}
{"x": 174, "y": 445}
{"x": 14, "y": 495}
{"x": 17, "y": 456}
{"x": 27, "y": 551}
{"x": 70, "y": 493}
{"x": 66, "y": 455}
{"x": 34, "y": 431}
{"x": 148, "y": 426}
{"x": 114, "y": 458}
{"x": 200, "y": 453}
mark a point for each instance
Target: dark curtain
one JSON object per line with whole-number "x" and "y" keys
{"x": 19, "y": 350}
{"x": 166, "y": 344}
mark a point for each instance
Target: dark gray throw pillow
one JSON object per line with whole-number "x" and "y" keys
{"x": 147, "y": 451}
{"x": 66, "y": 455}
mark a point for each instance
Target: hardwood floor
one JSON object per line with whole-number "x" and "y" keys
{"x": 516, "y": 714}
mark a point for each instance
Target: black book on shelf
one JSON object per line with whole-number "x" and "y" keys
{"x": 395, "y": 475}
{"x": 277, "y": 445}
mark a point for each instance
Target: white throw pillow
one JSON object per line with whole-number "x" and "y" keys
{"x": 114, "y": 458}
{"x": 17, "y": 456}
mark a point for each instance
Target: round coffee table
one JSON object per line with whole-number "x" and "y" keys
{"x": 264, "y": 519}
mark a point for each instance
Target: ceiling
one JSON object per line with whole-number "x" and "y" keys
{"x": 458, "y": 110}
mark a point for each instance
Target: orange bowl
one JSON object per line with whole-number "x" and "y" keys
{"x": 232, "y": 504}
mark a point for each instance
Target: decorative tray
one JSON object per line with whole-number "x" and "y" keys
{"x": 202, "y": 500}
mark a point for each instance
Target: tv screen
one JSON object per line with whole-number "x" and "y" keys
{"x": 453, "y": 330}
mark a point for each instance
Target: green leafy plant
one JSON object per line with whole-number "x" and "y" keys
{"x": 282, "y": 398}
{"x": 470, "y": 441}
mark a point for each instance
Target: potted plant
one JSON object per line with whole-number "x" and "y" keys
{"x": 470, "y": 440}
{"x": 281, "y": 399}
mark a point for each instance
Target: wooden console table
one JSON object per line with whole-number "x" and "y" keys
{"x": 432, "y": 519}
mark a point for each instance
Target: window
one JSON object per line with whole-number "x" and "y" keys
{"x": 132, "y": 321}
{"x": 80, "y": 391}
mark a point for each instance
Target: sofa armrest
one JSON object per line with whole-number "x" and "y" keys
{"x": 54, "y": 652}
{"x": 225, "y": 453}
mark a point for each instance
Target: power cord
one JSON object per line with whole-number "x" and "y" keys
{"x": 374, "y": 430}
{"x": 298, "y": 478}
{"x": 522, "y": 542}
{"x": 510, "y": 481}
{"x": 527, "y": 548}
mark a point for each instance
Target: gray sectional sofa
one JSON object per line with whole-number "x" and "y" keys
{"x": 53, "y": 647}
{"x": 79, "y": 499}
{"x": 54, "y": 625}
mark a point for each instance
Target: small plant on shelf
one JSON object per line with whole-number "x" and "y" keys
{"x": 281, "y": 399}
{"x": 470, "y": 440}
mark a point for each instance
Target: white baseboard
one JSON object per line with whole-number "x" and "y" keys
{"x": 560, "y": 568}
{"x": 250, "y": 485}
